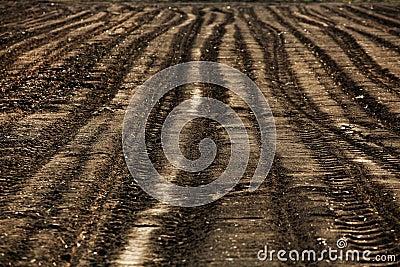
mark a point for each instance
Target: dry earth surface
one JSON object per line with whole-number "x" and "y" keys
{"x": 330, "y": 72}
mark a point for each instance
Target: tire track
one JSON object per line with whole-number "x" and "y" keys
{"x": 70, "y": 116}
{"x": 71, "y": 16}
{"x": 14, "y": 14}
{"x": 237, "y": 238}
{"x": 34, "y": 19}
{"x": 375, "y": 35}
{"x": 26, "y": 60}
{"x": 357, "y": 54}
{"x": 375, "y": 17}
{"x": 360, "y": 21}
{"x": 192, "y": 223}
{"x": 141, "y": 247}
{"x": 347, "y": 194}
{"x": 53, "y": 196}
{"x": 97, "y": 247}
{"x": 302, "y": 184}
{"x": 62, "y": 49}
{"x": 352, "y": 119}
{"x": 383, "y": 10}
{"x": 365, "y": 139}
{"x": 388, "y": 180}
{"x": 378, "y": 40}
{"x": 67, "y": 197}
{"x": 77, "y": 121}
{"x": 36, "y": 37}
{"x": 368, "y": 102}
{"x": 360, "y": 146}
{"x": 133, "y": 42}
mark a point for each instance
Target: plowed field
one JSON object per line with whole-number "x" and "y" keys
{"x": 330, "y": 73}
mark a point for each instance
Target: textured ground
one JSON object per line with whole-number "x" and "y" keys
{"x": 330, "y": 72}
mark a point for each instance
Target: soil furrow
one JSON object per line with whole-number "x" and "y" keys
{"x": 47, "y": 66}
{"x": 341, "y": 126}
{"x": 90, "y": 101}
{"x": 361, "y": 59}
{"x": 274, "y": 211}
{"x": 326, "y": 153}
{"x": 192, "y": 223}
{"x": 373, "y": 106}
{"x": 376, "y": 17}
{"x": 344, "y": 13}
{"x": 57, "y": 205}
{"x": 150, "y": 220}
{"x": 22, "y": 12}
{"x": 34, "y": 34}
{"x": 357, "y": 54}
{"x": 69, "y": 70}
{"x": 383, "y": 10}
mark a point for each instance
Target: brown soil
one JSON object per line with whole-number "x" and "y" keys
{"x": 330, "y": 72}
